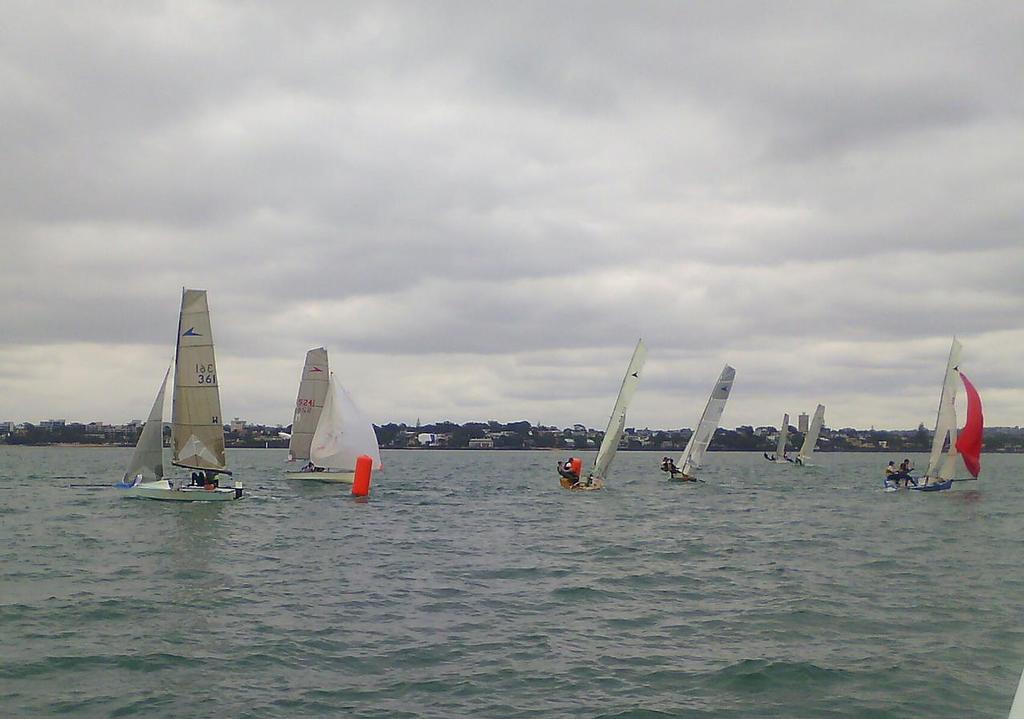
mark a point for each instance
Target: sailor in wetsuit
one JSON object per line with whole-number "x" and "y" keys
{"x": 904, "y": 473}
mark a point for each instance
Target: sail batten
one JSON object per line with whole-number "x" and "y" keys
{"x": 693, "y": 455}
{"x": 811, "y": 439}
{"x": 309, "y": 403}
{"x": 148, "y": 457}
{"x": 197, "y": 429}
{"x": 617, "y": 420}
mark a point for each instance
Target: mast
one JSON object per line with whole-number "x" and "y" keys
{"x": 197, "y": 432}
{"x": 945, "y": 421}
{"x": 693, "y": 455}
{"x": 811, "y": 439}
{"x": 309, "y": 403}
{"x": 148, "y": 457}
{"x": 780, "y": 449}
{"x": 617, "y": 420}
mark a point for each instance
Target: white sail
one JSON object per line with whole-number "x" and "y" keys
{"x": 811, "y": 438}
{"x": 617, "y": 421}
{"x": 309, "y": 404}
{"x": 148, "y": 457}
{"x": 780, "y": 449}
{"x": 693, "y": 455}
{"x": 343, "y": 433}
{"x": 1017, "y": 710}
{"x": 940, "y": 466}
{"x": 197, "y": 431}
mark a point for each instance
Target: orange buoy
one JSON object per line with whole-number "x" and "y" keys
{"x": 577, "y": 467}
{"x": 361, "y": 483}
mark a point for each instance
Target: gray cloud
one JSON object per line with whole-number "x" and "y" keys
{"x": 479, "y": 208}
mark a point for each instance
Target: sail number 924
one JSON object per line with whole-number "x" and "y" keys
{"x": 206, "y": 373}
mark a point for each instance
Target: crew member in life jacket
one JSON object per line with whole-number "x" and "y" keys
{"x": 891, "y": 478}
{"x": 565, "y": 470}
{"x": 669, "y": 465}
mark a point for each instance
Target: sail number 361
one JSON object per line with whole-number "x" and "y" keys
{"x": 206, "y": 373}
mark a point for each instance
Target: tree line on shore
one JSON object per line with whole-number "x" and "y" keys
{"x": 524, "y": 435}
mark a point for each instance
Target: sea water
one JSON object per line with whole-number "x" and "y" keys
{"x": 471, "y": 585}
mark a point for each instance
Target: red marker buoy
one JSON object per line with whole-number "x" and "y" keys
{"x": 361, "y": 483}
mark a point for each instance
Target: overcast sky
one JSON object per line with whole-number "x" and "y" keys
{"x": 478, "y": 207}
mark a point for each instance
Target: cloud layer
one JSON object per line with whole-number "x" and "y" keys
{"x": 479, "y": 208}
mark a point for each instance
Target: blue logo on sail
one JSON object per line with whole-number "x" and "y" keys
{"x": 190, "y": 332}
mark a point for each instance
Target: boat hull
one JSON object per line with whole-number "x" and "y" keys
{"x": 160, "y": 491}
{"x": 332, "y": 477}
{"x": 578, "y": 487}
{"x": 934, "y": 486}
{"x": 682, "y": 478}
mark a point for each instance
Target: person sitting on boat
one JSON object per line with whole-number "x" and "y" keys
{"x": 195, "y": 479}
{"x": 904, "y": 474}
{"x": 770, "y": 458}
{"x": 669, "y": 465}
{"x": 565, "y": 470}
{"x": 890, "y": 475}
{"x": 309, "y": 467}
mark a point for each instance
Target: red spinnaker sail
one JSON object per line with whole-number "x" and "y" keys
{"x": 968, "y": 444}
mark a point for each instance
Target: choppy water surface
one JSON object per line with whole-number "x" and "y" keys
{"x": 470, "y": 584}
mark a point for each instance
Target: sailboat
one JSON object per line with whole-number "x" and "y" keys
{"x": 1017, "y": 708}
{"x": 197, "y": 434}
{"x": 616, "y": 426}
{"x": 693, "y": 455}
{"x": 328, "y": 430}
{"x": 811, "y": 438}
{"x": 950, "y": 451}
{"x": 780, "y": 449}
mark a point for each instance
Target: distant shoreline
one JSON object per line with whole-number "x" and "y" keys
{"x": 559, "y": 450}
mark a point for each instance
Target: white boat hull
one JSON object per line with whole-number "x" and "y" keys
{"x": 163, "y": 492}
{"x": 334, "y": 477}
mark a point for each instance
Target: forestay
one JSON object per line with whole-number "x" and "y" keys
{"x": 693, "y": 455}
{"x": 197, "y": 431}
{"x": 309, "y": 404}
{"x": 343, "y": 433}
{"x": 811, "y": 438}
{"x": 943, "y": 465}
{"x": 148, "y": 457}
{"x": 617, "y": 420}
